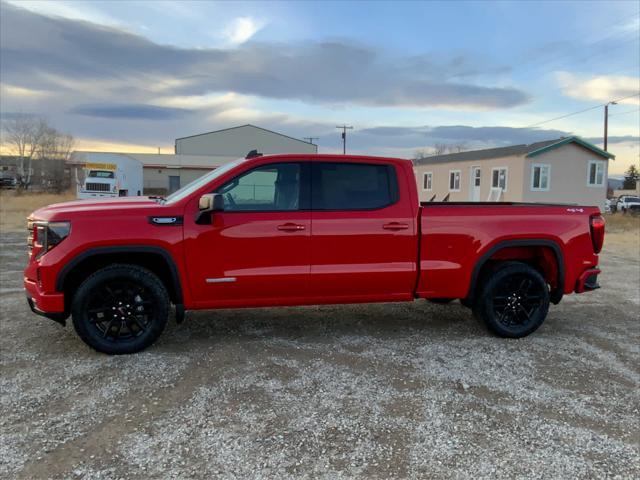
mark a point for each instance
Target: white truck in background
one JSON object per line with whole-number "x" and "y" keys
{"x": 108, "y": 175}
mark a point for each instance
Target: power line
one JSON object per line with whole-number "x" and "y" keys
{"x": 624, "y": 113}
{"x": 579, "y": 111}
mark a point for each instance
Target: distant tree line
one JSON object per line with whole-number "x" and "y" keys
{"x": 30, "y": 138}
{"x": 439, "y": 149}
{"x": 631, "y": 177}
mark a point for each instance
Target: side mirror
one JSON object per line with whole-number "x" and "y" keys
{"x": 209, "y": 203}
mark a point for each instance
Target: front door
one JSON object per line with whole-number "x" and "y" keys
{"x": 255, "y": 252}
{"x": 364, "y": 240}
{"x": 475, "y": 184}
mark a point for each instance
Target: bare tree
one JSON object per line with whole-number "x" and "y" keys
{"x": 419, "y": 154}
{"x": 30, "y": 137}
{"x": 23, "y": 137}
{"x": 439, "y": 149}
{"x": 54, "y": 151}
{"x": 458, "y": 147}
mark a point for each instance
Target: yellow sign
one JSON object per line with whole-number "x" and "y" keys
{"x": 100, "y": 166}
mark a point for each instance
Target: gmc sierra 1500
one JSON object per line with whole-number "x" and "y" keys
{"x": 300, "y": 230}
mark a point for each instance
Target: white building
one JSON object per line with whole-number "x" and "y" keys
{"x": 161, "y": 174}
{"x": 238, "y": 141}
{"x": 197, "y": 154}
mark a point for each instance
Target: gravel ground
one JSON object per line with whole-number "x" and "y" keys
{"x": 367, "y": 391}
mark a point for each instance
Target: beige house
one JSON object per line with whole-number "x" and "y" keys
{"x": 565, "y": 170}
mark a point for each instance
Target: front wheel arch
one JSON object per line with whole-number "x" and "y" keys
{"x": 155, "y": 259}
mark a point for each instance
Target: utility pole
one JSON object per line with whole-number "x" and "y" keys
{"x": 311, "y": 139}
{"x": 606, "y": 122}
{"x": 344, "y": 137}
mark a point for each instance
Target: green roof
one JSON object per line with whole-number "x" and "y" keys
{"x": 564, "y": 141}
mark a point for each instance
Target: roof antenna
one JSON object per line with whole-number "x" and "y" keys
{"x": 253, "y": 154}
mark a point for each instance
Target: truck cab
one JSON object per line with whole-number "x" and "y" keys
{"x": 100, "y": 183}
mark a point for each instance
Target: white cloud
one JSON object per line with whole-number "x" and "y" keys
{"x": 242, "y": 29}
{"x": 22, "y": 93}
{"x": 206, "y": 101}
{"x": 601, "y": 88}
{"x": 68, "y": 10}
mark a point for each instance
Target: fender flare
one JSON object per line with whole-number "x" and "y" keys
{"x": 556, "y": 295}
{"x": 99, "y": 251}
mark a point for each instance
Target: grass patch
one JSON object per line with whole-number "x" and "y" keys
{"x": 619, "y": 222}
{"x": 15, "y": 206}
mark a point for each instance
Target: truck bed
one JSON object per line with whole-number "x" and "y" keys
{"x": 458, "y": 238}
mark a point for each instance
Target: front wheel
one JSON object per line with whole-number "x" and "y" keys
{"x": 514, "y": 301}
{"x": 120, "y": 309}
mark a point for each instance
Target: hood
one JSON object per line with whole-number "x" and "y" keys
{"x": 89, "y": 207}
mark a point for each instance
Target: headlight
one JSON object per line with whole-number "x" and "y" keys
{"x": 47, "y": 235}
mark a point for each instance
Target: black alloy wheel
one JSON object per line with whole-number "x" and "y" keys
{"x": 120, "y": 309}
{"x": 514, "y": 301}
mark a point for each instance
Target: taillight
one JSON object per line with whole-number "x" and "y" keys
{"x": 597, "y": 232}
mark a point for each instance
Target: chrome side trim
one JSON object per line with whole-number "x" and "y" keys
{"x": 221, "y": 280}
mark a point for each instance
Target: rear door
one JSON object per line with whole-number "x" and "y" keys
{"x": 364, "y": 239}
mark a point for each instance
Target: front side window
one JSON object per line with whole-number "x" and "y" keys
{"x": 499, "y": 178}
{"x": 595, "y": 176}
{"x": 454, "y": 180}
{"x": 274, "y": 187}
{"x": 427, "y": 181}
{"x": 352, "y": 186}
{"x": 540, "y": 177}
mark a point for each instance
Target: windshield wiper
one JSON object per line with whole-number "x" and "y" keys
{"x": 159, "y": 198}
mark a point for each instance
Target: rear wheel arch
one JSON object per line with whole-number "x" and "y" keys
{"x": 505, "y": 251}
{"x": 155, "y": 259}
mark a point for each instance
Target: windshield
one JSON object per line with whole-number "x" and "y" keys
{"x": 633, "y": 199}
{"x": 200, "y": 182}
{"x": 100, "y": 174}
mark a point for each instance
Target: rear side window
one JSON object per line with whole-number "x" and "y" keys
{"x": 352, "y": 186}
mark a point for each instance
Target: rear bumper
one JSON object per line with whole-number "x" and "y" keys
{"x": 588, "y": 281}
{"x": 50, "y": 305}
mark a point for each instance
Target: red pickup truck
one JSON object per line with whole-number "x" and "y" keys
{"x": 300, "y": 230}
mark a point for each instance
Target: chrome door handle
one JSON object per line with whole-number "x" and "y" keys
{"x": 291, "y": 227}
{"x": 395, "y": 226}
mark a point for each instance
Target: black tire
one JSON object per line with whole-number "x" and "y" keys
{"x": 514, "y": 300}
{"x": 441, "y": 301}
{"x": 120, "y": 309}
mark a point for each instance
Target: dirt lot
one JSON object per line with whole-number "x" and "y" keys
{"x": 370, "y": 391}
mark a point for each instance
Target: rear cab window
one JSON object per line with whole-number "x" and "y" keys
{"x": 352, "y": 186}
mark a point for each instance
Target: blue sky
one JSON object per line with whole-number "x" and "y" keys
{"x": 135, "y": 75}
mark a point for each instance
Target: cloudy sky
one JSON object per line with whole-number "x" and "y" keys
{"x": 133, "y": 76}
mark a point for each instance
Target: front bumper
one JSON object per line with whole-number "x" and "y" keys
{"x": 588, "y": 281}
{"x": 50, "y": 305}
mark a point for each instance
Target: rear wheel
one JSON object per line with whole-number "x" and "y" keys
{"x": 514, "y": 301}
{"x": 120, "y": 309}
